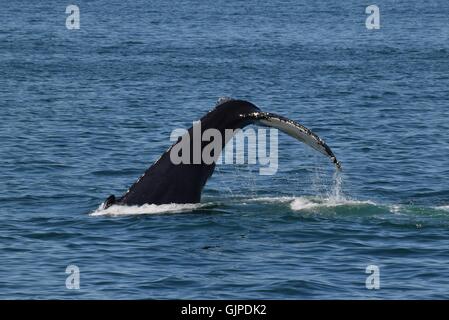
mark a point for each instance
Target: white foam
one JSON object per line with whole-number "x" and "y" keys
{"x": 445, "y": 208}
{"x": 117, "y": 210}
{"x": 304, "y": 203}
{"x": 307, "y": 202}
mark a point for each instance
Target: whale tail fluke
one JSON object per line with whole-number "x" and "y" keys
{"x": 169, "y": 182}
{"x": 295, "y": 130}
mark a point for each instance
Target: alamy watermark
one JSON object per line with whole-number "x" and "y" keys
{"x": 72, "y": 282}
{"x": 373, "y": 20}
{"x": 373, "y": 280}
{"x": 72, "y": 22}
{"x": 191, "y": 148}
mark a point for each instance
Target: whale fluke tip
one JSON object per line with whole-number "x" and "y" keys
{"x": 337, "y": 164}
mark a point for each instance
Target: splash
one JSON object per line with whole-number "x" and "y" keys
{"x": 334, "y": 198}
{"x": 117, "y": 210}
{"x": 318, "y": 186}
{"x": 337, "y": 191}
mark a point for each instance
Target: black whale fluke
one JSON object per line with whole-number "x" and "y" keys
{"x": 165, "y": 182}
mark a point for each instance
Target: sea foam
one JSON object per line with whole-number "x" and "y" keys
{"x": 117, "y": 210}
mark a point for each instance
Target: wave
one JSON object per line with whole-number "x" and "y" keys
{"x": 310, "y": 204}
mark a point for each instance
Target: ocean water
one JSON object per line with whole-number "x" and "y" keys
{"x": 84, "y": 112}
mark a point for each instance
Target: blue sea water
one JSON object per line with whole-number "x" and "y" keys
{"x": 84, "y": 112}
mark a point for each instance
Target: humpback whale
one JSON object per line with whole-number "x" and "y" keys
{"x": 165, "y": 182}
